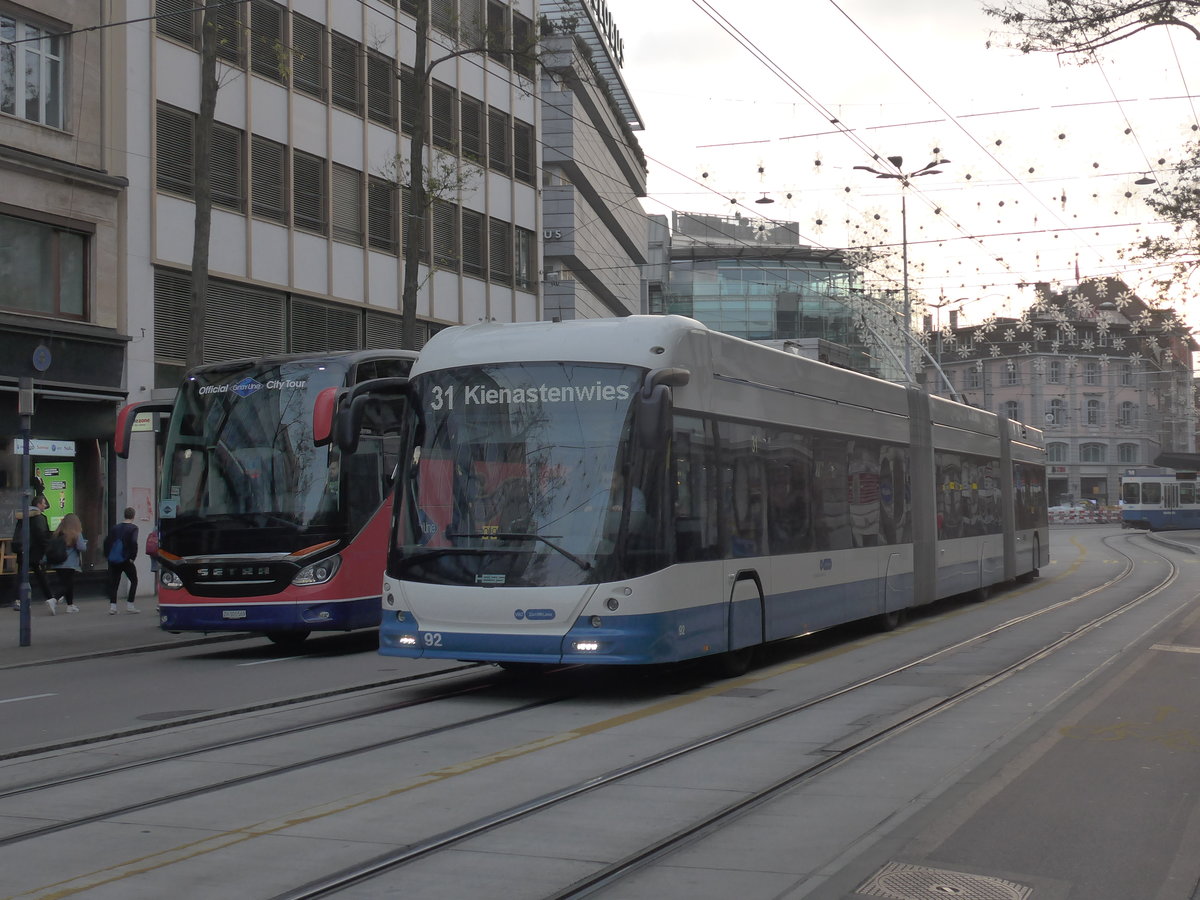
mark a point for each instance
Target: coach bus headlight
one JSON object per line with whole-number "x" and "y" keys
{"x": 170, "y": 580}
{"x": 318, "y": 572}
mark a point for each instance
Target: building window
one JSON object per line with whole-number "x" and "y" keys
{"x": 499, "y": 141}
{"x": 347, "y": 192}
{"x": 1126, "y": 375}
{"x": 525, "y": 250}
{"x": 1056, "y": 412}
{"x": 177, "y": 19}
{"x": 381, "y": 89}
{"x": 474, "y": 261}
{"x": 1012, "y": 409}
{"x": 1093, "y": 412}
{"x": 500, "y": 252}
{"x": 31, "y": 72}
{"x": 441, "y": 16}
{"x": 1092, "y": 453}
{"x": 523, "y": 45}
{"x": 266, "y": 40}
{"x": 445, "y": 235}
{"x": 442, "y": 103}
{"x": 44, "y": 268}
{"x": 308, "y": 192}
{"x": 1056, "y": 452}
{"x": 497, "y": 32}
{"x": 471, "y": 127}
{"x": 1054, "y": 376}
{"x": 381, "y": 215}
{"x": 408, "y": 99}
{"x": 268, "y": 178}
{"x": 175, "y": 136}
{"x": 1012, "y": 373}
{"x": 345, "y": 80}
{"x": 228, "y": 183}
{"x": 230, "y": 46}
{"x": 1127, "y": 415}
{"x": 524, "y": 152}
{"x": 974, "y": 378}
{"x": 308, "y": 56}
{"x": 1091, "y": 373}
{"x": 1127, "y": 453}
{"x": 472, "y": 26}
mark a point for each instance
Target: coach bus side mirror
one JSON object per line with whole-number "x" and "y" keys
{"x": 125, "y": 420}
{"x": 324, "y": 411}
{"x": 654, "y": 405}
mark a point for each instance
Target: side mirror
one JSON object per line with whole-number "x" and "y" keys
{"x": 126, "y": 417}
{"x": 653, "y": 415}
{"x": 324, "y": 411}
{"x": 352, "y": 403}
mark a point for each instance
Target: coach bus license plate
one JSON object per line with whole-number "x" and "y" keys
{"x": 233, "y": 614}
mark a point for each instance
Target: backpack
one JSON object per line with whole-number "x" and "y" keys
{"x": 116, "y": 553}
{"x": 56, "y": 550}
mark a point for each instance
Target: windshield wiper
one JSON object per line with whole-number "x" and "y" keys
{"x": 527, "y": 536}
{"x": 424, "y": 556}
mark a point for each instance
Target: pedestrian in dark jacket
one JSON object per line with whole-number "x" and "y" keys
{"x": 121, "y": 549}
{"x": 39, "y": 534}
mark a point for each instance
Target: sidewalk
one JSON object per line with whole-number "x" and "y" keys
{"x": 90, "y": 632}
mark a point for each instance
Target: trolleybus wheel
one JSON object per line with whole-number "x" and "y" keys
{"x": 734, "y": 662}
{"x": 522, "y": 668}
{"x": 287, "y": 638}
{"x": 890, "y": 621}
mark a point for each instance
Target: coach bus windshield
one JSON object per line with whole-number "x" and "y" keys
{"x": 241, "y": 474}
{"x": 521, "y": 474}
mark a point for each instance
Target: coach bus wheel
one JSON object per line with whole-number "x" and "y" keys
{"x": 287, "y": 638}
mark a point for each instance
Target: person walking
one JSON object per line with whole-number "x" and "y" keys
{"x": 70, "y": 532}
{"x": 120, "y": 549}
{"x": 39, "y": 534}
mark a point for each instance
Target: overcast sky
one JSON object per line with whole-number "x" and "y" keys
{"x": 1041, "y": 152}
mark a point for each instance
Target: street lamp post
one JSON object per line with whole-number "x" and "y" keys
{"x": 930, "y": 168}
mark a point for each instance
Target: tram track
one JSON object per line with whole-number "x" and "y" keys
{"x": 632, "y": 862}
{"x": 612, "y": 873}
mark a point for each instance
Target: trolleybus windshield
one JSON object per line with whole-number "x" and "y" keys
{"x": 242, "y": 474}
{"x": 519, "y": 474}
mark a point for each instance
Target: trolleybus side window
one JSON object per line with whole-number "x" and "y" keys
{"x": 1151, "y": 492}
{"x": 1131, "y": 492}
{"x": 695, "y": 484}
{"x": 789, "y": 467}
{"x": 830, "y": 508}
{"x": 741, "y": 489}
{"x": 1187, "y": 492}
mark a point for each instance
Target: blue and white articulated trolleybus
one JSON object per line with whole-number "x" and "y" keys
{"x": 1160, "y": 501}
{"x": 264, "y": 527}
{"x": 645, "y": 490}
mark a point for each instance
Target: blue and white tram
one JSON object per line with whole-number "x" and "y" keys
{"x": 1160, "y": 502}
{"x": 645, "y": 490}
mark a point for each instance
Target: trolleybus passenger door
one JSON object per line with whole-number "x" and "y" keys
{"x": 744, "y": 614}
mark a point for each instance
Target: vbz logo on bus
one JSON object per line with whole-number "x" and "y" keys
{"x": 827, "y": 564}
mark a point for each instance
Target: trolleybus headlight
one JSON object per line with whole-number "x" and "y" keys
{"x": 407, "y": 640}
{"x": 170, "y": 580}
{"x": 612, "y": 603}
{"x": 586, "y": 646}
{"x": 318, "y": 572}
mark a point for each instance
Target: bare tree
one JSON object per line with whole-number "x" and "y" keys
{"x": 425, "y": 189}
{"x": 1175, "y": 199}
{"x": 1080, "y": 27}
{"x": 202, "y": 173}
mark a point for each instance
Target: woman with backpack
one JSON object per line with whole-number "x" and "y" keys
{"x": 120, "y": 549}
{"x": 64, "y": 553}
